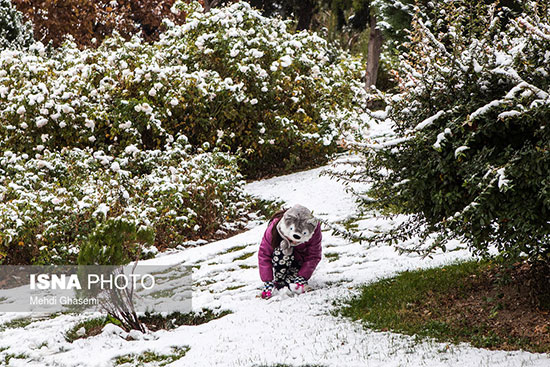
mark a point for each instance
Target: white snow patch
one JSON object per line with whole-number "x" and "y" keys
{"x": 429, "y": 120}
{"x": 460, "y": 150}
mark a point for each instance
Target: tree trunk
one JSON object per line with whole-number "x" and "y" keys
{"x": 209, "y": 4}
{"x": 373, "y": 54}
{"x": 304, "y": 14}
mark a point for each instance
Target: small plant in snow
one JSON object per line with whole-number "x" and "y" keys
{"x": 115, "y": 242}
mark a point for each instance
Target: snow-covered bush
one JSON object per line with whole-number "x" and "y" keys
{"x": 50, "y": 203}
{"x": 470, "y": 158}
{"x": 14, "y": 32}
{"x": 229, "y": 77}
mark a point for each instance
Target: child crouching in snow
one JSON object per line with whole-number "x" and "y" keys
{"x": 290, "y": 250}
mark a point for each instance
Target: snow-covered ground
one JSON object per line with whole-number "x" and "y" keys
{"x": 291, "y": 330}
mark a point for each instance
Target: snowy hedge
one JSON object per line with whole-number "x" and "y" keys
{"x": 14, "y": 32}
{"x": 229, "y": 77}
{"x": 50, "y": 203}
{"x": 470, "y": 157}
{"x": 146, "y": 133}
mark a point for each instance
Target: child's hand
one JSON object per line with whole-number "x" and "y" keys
{"x": 268, "y": 290}
{"x": 298, "y": 285}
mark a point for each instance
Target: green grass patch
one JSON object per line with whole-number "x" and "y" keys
{"x": 91, "y": 327}
{"x": 9, "y": 356}
{"x": 461, "y": 302}
{"x": 175, "y": 319}
{"x": 388, "y": 303}
{"x": 244, "y": 256}
{"x": 233, "y": 249}
{"x": 152, "y": 321}
{"x": 24, "y": 321}
{"x": 244, "y": 266}
{"x": 17, "y": 323}
{"x": 150, "y": 357}
{"x": 235, "y": 287}
{"x": 207, "y": 282}
{"x": 332, "y": 256}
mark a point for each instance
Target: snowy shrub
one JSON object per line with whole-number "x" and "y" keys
{"x": 470, "y": 156}
{"x": 14, "y": 32}
{"x": 229, "y": 77}
{"x": 50, "y": 203}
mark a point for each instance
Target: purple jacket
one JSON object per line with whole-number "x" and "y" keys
{"x": 308, "y": 254}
